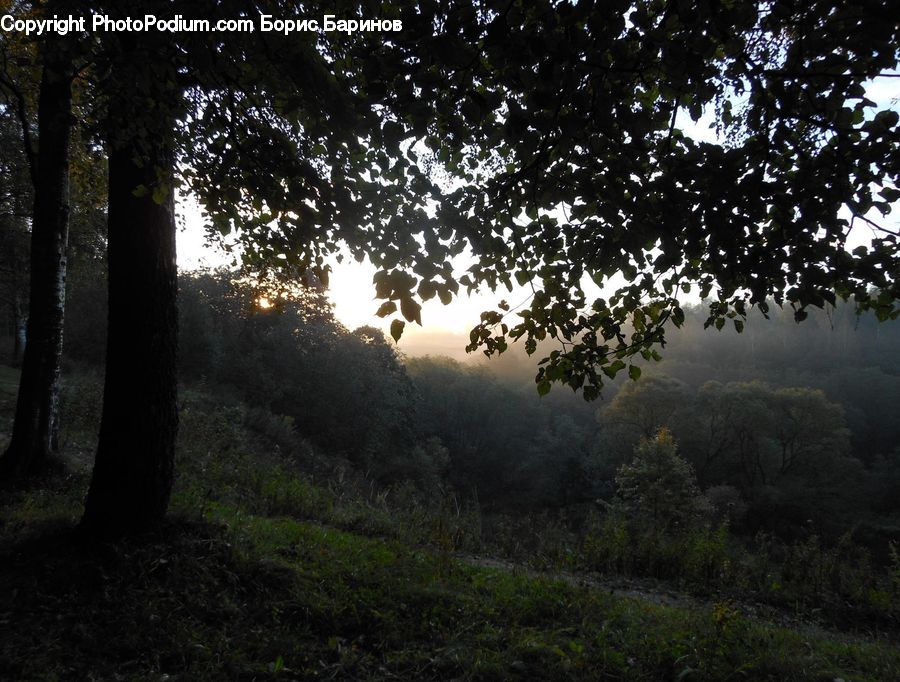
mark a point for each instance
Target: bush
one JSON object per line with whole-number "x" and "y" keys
{"x": 658, "y": 488}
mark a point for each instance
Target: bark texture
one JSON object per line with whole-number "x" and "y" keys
{"x": 34, "y": 437}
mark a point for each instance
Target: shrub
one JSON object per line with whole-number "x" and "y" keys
{"x": 658, "y": 488}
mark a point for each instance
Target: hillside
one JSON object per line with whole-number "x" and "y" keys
{"x": 266, "y": 572}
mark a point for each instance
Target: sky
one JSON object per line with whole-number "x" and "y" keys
{"x": 444, "y": 329}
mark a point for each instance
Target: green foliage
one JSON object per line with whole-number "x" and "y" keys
{"x": 641, "y": 409}
{"x": 638, "y": 410}
{"x": 848, "y": 356}
{"x": 607, "y": 545}
{"x": 504, "y": 445}
{"x": 504, "y": 134}
{"x": 227, "y": 458}
{"x": 700, "y": 557}
{"x": 343, "y": 390}
{"x": 708, "y": 556}
{"x": 658, "y": 488}
{"x": 284, "y": 494}
{"x": 777, "y": 455}
{"x": 234, "y": 456}
{"x": 838, "y": 581}
{"x": 244, "y": 595}
{"x": 545, "y": 127}
{"x": 255, "y": 575}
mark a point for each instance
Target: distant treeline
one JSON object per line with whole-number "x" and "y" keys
{"x": 784, "y": 424}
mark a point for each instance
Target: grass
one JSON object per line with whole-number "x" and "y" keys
{"x": 240, "y": 596}
{"x": 247, "y": 583}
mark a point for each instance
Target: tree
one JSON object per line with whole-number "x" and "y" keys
{"x": 367, "y": 402}
{"x": 641, "y": 409}
{"x": 15, "y": 213}
{"x": 638, "y": 410}
{"x": 134, "y": 467}
{"x": 504, "y": 444}
{"x": 658, "y": 487}
{"x": 750, "y": 434}
{"x": 280, "y": 136}
{"x": 563, "y": 127}
{"x": 35, "y": 429}
{"x": 347, "y": 392}
{"x": 807, "y": 428}
{"x": 303, "y": 143}
{"x": 746, "y": 434}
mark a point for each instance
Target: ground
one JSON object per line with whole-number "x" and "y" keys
{"x": 245, "y": 583}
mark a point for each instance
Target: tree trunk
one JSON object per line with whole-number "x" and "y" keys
{"x": 133, "y": 472}
{"x": 37, "y": 409}
{"x": 20, "y": 333}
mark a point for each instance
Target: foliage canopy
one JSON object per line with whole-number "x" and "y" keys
{"x": 553, "y": 136}
{"x": 547, "y": 140}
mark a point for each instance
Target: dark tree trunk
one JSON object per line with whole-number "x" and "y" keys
{"x": 20, "y": 331}
{"x": 37, "y": 409}
{"x": 132, "y": 478}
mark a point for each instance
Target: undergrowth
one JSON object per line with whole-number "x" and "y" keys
{"x": 268, "y": 573}
{"x": 222, "y": 460}
{"x": 242, "y": 596}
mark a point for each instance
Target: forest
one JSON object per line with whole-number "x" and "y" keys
{"x": 678, "y": 458}
{"x": 787, "y": 429}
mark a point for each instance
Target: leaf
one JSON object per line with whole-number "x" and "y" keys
{"x": 890, "y": 193}
{"x": 634, "y": 372}
{"x": 397, "y": 327}
{"x": 613, "y": 368}
{"x": 543, "y": 387}
{"x": 382, "y": 284}
{"x": 523, "y": 277}
{"x": 160, "y": 192}
{"x": 386, "y": 309}
{"x": 140, "y": 191}
{"x": 427, "y": 290}
{"x": 411, "y": 310}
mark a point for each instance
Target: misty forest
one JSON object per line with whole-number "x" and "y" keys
{"x": 666, "y": 447}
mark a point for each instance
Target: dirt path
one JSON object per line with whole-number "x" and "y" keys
{"x": 655, "y": 593}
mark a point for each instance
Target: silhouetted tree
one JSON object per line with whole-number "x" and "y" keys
{"x": 35, "y": 428}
